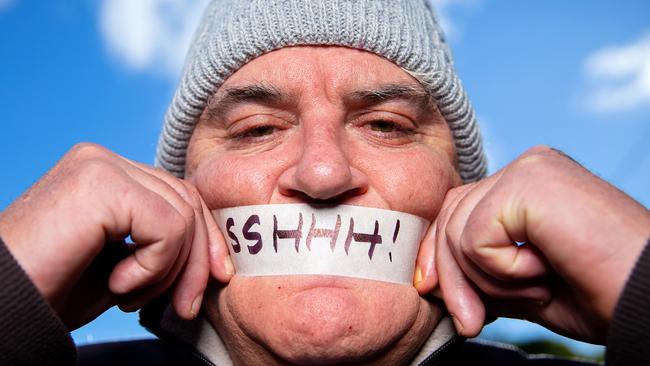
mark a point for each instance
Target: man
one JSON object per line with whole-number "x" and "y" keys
{"x": 343, "y": 103}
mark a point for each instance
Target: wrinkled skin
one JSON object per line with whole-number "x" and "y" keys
{"x": 582, "y": 237}
{"x": 66, "y": 233}
{"x": 309, "y": 131}
{"x": 319, "y": 142}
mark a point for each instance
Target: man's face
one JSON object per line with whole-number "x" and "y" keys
{"x": 329, "y": 125}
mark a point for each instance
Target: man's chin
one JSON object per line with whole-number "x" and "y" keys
{"x": 322, "y": 319}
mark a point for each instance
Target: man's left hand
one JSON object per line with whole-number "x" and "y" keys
{"x": 543, "y": 239}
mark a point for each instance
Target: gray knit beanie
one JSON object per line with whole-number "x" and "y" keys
{"x": 233, "y": 32}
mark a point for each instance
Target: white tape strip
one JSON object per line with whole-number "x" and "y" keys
{"x": 300, "y": 239}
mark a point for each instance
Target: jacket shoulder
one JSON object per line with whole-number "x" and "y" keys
{"x": 480, "y": 352}
{"x": 154, "y": 352}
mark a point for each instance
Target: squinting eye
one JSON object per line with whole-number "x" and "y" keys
{"x": 384, "y": 126}
{"x": 258, "y": 131}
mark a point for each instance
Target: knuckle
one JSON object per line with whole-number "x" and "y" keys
{"x": 188, "y": 213}
{"x": 539, "y": 149}
{"x": 163, "y": 174}
{"x": 528, "y": 161}
{"x": 457, "y": 192}
{"x": 194, "y": 195}
{"x": 83, "y": 168}
{"x": 188, "y": 216}
{"x": 174, "y": 224}
{"x": 452, "y": 193}
{"x": 468, "y": 249}
{"x": 177, "y": 227}
{"x": 508, "y": 271}
{"x": 93, "y": 172}
{"x": 535, "y": 159}
{"x": 475, "y": 253}
{"x": 541, "y": 154}
{"x": 86, "y": 150}
{"x": 544, "y": 164}
{"x": 452, "y": 234}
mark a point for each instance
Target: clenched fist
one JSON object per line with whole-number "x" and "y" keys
{"x": 68, "y": 231}
{"x": 542, "y": 239}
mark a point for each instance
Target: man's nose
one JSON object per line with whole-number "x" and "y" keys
{"x": 323, "y": 171}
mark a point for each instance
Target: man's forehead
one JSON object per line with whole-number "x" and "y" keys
{"x": 299, "y": 70}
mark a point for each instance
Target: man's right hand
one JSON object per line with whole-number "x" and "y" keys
{"x": 67, "y": 232}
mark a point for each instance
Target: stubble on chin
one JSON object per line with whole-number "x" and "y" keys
{"x": 288, "y": 320}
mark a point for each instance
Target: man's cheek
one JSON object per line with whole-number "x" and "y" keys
{"x": 419, "y": 188}
{"x": 235, "y": 182}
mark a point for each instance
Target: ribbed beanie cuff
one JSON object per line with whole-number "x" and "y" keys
{"x": 233, "y": 33}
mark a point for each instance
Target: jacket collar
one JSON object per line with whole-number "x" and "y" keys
{"x": 204, "y": 341}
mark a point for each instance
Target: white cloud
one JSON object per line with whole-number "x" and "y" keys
{"x": 154, "y": 35}
{"x": 450, "y": 27}
{"x": 150, "y": 34}
{"x": 4, "y": 4}
{"x": 620, "y": 76}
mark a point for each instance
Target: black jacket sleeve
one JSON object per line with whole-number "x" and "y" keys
{"x": 30, "y": 331}
{"x": 628, "y": 341}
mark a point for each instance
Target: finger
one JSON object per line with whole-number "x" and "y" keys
{"x": 187, "y": 201}
{"x": 169, "y": 187}
{"x": 188, "y": 291}
{"x": 425, "y": 278}
{"x": 186, "y": 190}
{"x": 221, "y": 266}
{"x": 135, "y": 299}
{"x": 461, "y": 299}
{"x": 158, "y": 264}
{"x": 492, "y": 245}
{"x": 474, "y": 232}
{"x": 522, "y": 284}
{"x": 163, "y": 183}
{"x": 157, "y": 228}
{"x": 534, "y": 289}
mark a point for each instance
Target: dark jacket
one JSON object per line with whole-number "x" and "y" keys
{"x": 34, "y": 335}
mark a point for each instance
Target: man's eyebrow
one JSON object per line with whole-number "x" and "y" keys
{"x": 384, "y": 93}
{"x": 225, "y": 100}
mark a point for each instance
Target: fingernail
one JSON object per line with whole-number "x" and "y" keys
{"x": 196, "y": 306}
{"x": 228, "y": 266}
{"x": 417, "y": 276}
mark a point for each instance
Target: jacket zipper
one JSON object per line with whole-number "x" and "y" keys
{"x": 202, "y": 358}
{"x": 433, "y": 358}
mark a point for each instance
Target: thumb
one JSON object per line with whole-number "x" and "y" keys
{"x": 425, "y": 278}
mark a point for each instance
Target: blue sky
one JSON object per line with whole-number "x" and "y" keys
{"x": 573, "y": 75}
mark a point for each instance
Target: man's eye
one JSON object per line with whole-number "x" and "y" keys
{"x": 383, "y": 126}
{"x": 257, "y": 132}
{"x": 389, "y": 128}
